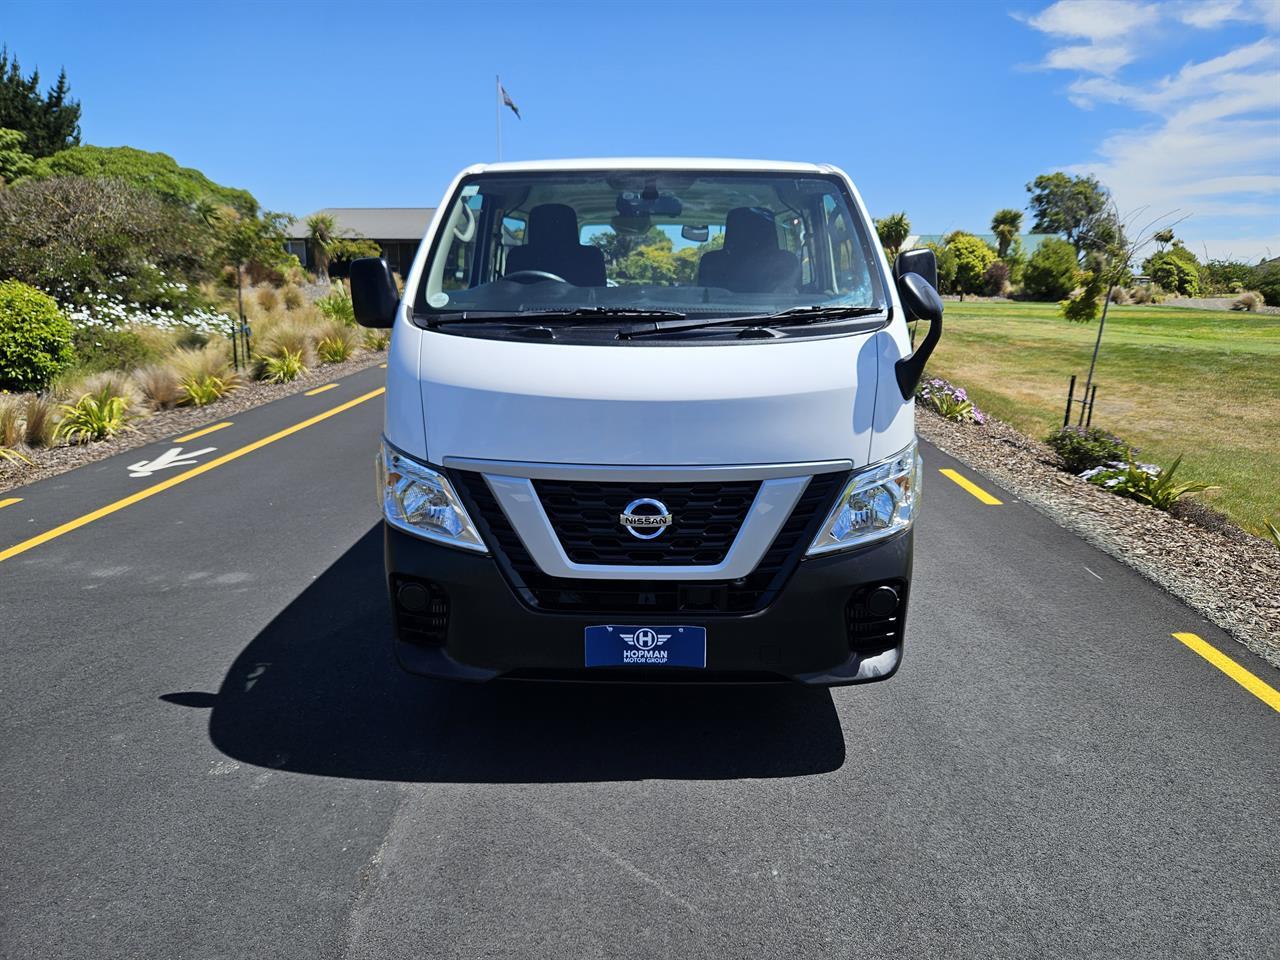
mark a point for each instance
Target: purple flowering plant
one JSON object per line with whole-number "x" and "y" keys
{"x": 1145, "y": 482}
{"x": 949, "y": 401}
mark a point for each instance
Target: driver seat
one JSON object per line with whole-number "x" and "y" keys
{"x": 552, "y": 246}
{"x": 751, "y": 261}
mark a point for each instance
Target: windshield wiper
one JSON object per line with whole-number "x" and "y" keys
{"x": 574, "y": 313}
{"x": 812, "y": 314}
{"x": 462, "y": 316}
{"x": 604, "y": 312}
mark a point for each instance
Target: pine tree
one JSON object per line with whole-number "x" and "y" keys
{"x": 50, "y": 122}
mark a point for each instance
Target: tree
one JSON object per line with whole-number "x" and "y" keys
{"x": 349, "y": 248}
{"x": 156, "y": 172}
{"x": 1172, "y": 274}
{"x": 245, "y": 240}
{"x": 329, "y": 244}
{"x": 893, "y": 231}
{"x": 946, "y": 261}
{"x": 35, "y": 338}
{"x": 972, "y": 256}
{"x": 649, "y": 264}
{"x": 14, "y": 161}
{"x": 1162, "y": 238}
{"x": 1016, "y": 258}
{"x": 1083, "y": 307}
{"x": 1111, "y": 266}
{"x": 616, "y": 245}
{"x": 1176, "y": 269}
{"x": 322, "y": 228}
{"x": 996, "y": 279}
{"x": 1051, "y": 272}
{"x": 75, "y": 237}
{"x": 1267, "y": 282}
{"x": 1218, "y": 277}
{"x": 48, "y": 122}
{"x": 1068, "y": 205}
{"x": 1005, "y": 225}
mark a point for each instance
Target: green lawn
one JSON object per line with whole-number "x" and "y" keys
{"x": 1201, "y": 383}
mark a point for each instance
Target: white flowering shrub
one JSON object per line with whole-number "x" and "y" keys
{"x": 100, "y": 309}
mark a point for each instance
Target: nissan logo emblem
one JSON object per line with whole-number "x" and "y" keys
{"x": 645, "y": 518}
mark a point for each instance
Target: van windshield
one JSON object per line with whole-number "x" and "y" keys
{"x": 698, "y": 243}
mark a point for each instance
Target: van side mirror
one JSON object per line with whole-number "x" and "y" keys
{"x": 374, "y": 297}
{"x": 919, "y": 300}
{"x": 923, "y": 261}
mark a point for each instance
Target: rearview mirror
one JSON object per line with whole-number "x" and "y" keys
{"x": 919, "y": 261}
{"x": 695, "y": 234}
{"x": 919, "y": 300}
{"x": 374, "y": 297}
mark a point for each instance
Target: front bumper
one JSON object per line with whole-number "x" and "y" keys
{"x": 809, "y": 633}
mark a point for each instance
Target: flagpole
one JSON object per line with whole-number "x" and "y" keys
{"x": 497, "y": 113}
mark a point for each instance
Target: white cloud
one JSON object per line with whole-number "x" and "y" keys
{"x": 1193, "y": 80}
{"x": 1211, "y": 145}
{"x": 1210, "y": 14}
{"x": 1093, "y": 20}
{"x": 1207, "y": 15}
{"x": 1105, "y": 25}
{"x": 1094, "y": 58}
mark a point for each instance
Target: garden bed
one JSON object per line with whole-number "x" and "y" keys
{"x": 51, "y": 461}
{"x": 1228, "y": 575}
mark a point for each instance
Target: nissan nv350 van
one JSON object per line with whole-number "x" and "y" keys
{"x": 650, "y": 420}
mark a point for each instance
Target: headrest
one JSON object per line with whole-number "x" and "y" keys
{"x": 750, "y": 229}
{"x": 553, "y": 225}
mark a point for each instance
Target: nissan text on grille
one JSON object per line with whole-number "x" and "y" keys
{"x": 651, "y": 420}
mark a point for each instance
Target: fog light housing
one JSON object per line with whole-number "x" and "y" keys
{"x": 421, "y": 612}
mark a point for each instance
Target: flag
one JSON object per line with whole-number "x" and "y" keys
{"x": 508, "y": 102}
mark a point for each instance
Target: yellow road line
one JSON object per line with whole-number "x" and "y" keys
{"x": 200, "y": 433}
{"x": 327, "y": 386}
{"x": 173, "y": 481}
{"x": 1263, "y": 691}
{"x": 382, "y": 366}
{"x": 966, "y": 484}
{"x": 10, "y": 502}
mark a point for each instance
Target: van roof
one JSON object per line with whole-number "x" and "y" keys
{"x": 650, "y": 163}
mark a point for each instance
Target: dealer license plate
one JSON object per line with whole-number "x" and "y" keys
{"x": 640, "y": 646}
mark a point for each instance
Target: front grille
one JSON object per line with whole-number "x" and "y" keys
{"x": 753, "y": 592}
{"x": 585, "y": 517}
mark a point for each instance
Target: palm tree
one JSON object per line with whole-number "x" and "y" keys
{"x": 893, "y": 231}
{"x": 1005, "y": 225}
{"x": 322, "y": 231}
{"x": 210, "y": 213}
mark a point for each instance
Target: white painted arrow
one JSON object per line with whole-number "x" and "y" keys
{"x": 170, "y": 458}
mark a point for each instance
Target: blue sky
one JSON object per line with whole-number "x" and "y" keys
{"x": 945, "y": 110}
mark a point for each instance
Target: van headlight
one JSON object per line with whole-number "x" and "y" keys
{"x": 879, "y": 501}
{"x": 421, "y": 501}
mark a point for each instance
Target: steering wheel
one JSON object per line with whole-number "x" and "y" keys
{"x": 533, "y": 276}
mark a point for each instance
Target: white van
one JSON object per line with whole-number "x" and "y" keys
{"x": 651, "y": 419}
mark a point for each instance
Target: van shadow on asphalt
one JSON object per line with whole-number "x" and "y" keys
{"x": 318, "y": 691}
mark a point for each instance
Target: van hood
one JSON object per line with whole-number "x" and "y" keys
{"x": 632, "y": 404}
